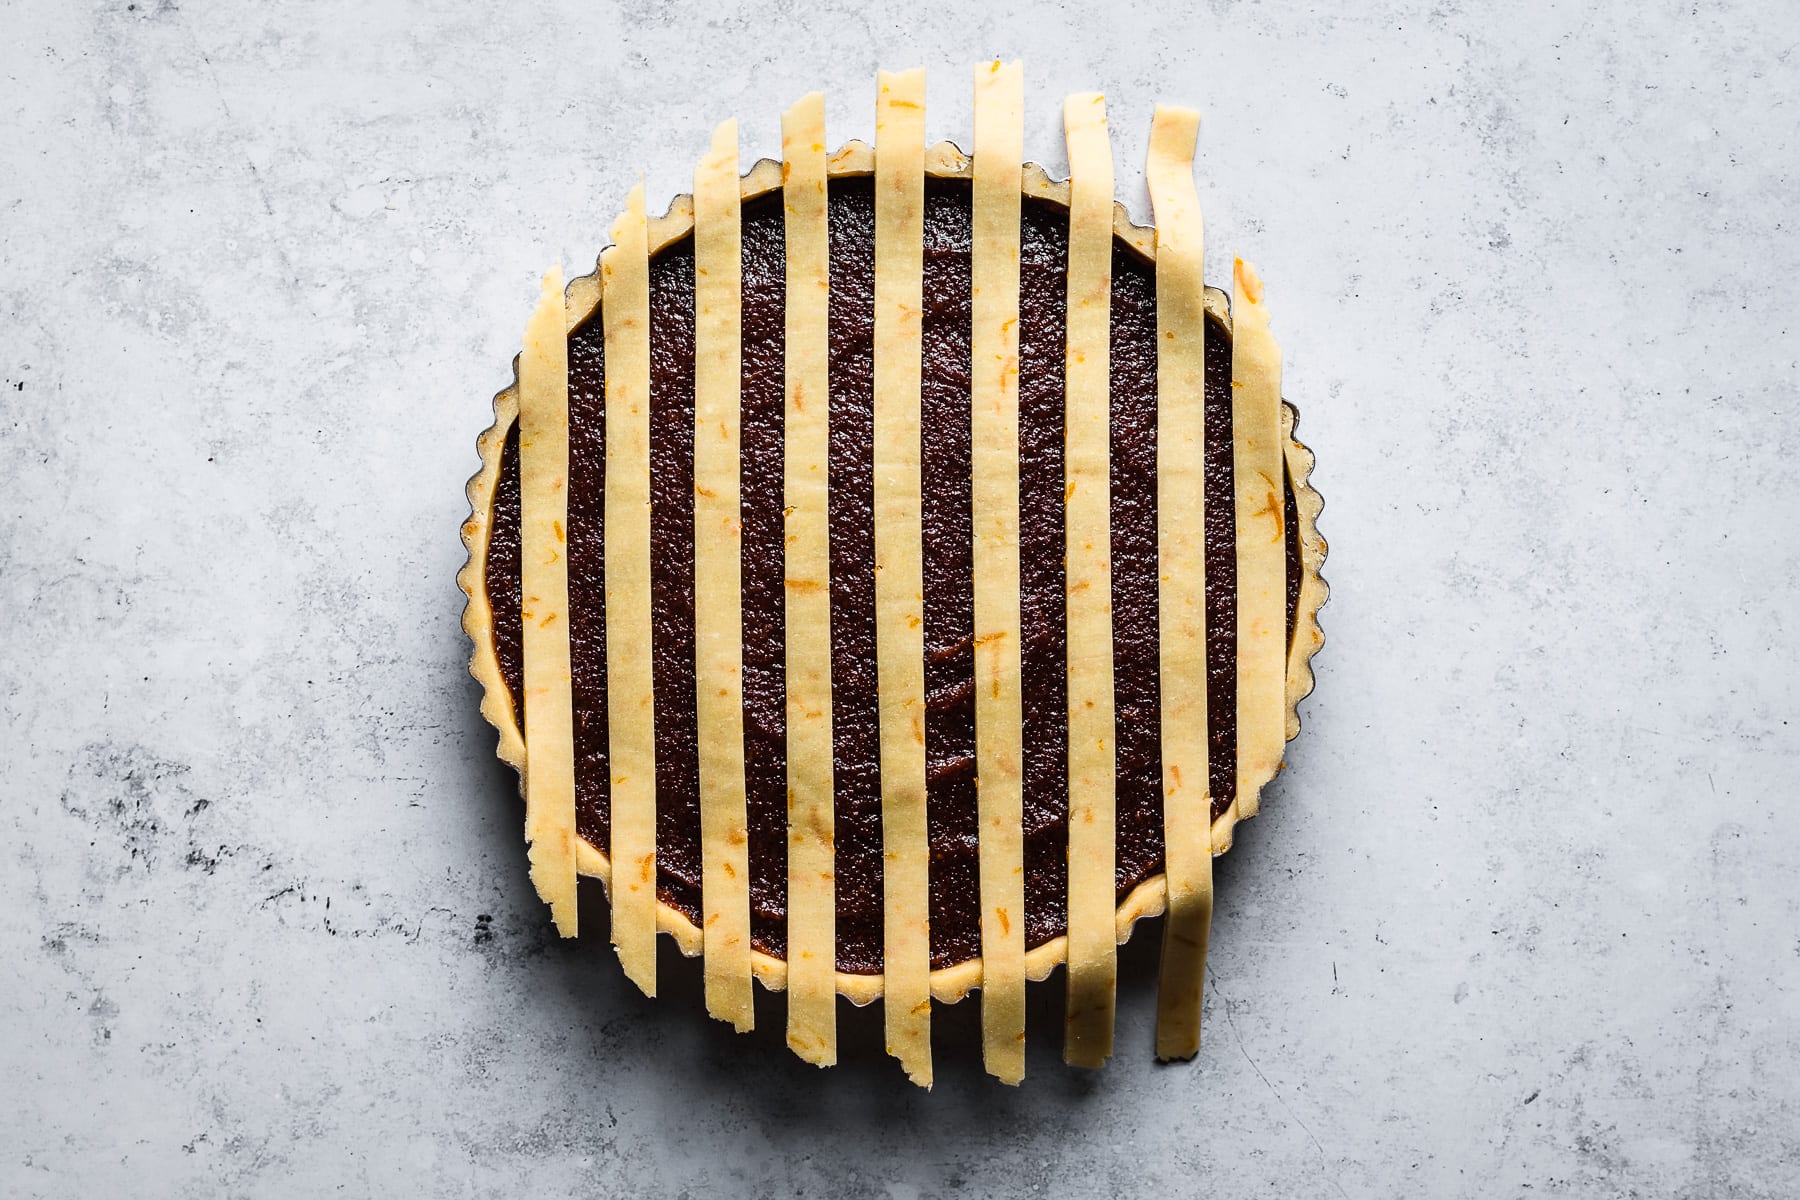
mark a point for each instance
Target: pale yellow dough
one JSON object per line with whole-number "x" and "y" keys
{"x": 544, "y": 585}
{"x": 899, "y": 571}
{"x": 994, "y": 408}
{"x": 1181, "y": 570}
{"x": 1087, "y": 457}
{"x": 812, "y": 910}
{"x": 718, "y": 583}
{"x": 1261, "y": 541}
{"x": 631, "y": 707}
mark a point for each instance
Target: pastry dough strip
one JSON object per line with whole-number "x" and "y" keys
{"x": 899, "y": 572}
{"x": 1087, "y": 488}
{"x": 630, "y": 700}
{"x": 1181, "y": 570}
{"x": 718, "y": 582}
{"x": 806, "y": 435}
{"x": 994, "y": 408}
{"x": 544, "y": 611}
{"x": 1261, "y": 541}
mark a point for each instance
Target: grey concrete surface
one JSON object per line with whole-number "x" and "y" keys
{"x": 1521, "y": 918}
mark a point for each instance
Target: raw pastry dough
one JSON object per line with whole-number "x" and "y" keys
{"x": 1181, "y": 570}
{"x": 812, "y": 905}
{"x": 1261, "y": 541}
{"x": 899, "y": 570}
{"x": 994, "y": 442}
{"x": 630, "y": 700}
{"x": 1087, "y": 472}
{"x": 718, "y": 583}
{"x": 544, "y": 593}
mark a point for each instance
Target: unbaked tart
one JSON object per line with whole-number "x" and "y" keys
{"x": 893, "y": 574}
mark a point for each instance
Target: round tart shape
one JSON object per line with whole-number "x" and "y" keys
{"x": 491, "y": 577}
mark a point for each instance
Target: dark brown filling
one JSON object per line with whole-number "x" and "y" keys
{"x": 949, "y": 666}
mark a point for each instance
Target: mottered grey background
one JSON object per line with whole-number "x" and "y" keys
{"x": 1521, "y": 917}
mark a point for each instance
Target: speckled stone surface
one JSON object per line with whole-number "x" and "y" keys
{"x": 1520, "y": 918}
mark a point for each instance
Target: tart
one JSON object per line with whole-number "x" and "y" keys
{"x": 859, "y": 478}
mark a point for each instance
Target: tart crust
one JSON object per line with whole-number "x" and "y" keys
{"x": 952, "y": 983}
